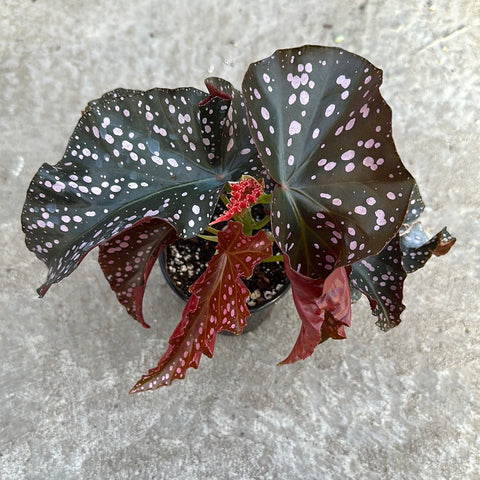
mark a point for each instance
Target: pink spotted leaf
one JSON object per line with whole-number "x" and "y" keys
{"x": 380, "y": 278}
{"x": 226, "y": 134}
{"x": 324, "y": 308}
{"x": 127, "y": 260}
{"x": 324, "y": 134}
{"x": 218, "y": 302}
{"x": 132, "y": 155}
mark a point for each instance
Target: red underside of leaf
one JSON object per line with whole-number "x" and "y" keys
{"x": 444, "y": 244}
{"x": 324, "y": 308}
{"x": 214, "y": 92}
{"x": 218, "y": 302}
{"x": 128, "y": 258}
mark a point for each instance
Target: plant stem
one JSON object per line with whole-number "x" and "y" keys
{"x": 247, "y": 221}
{"x": 212, "y": 230}
{"x": 273, "y": 258}
{"x": 260, "y": 224}
{"x": 210, "y": 238}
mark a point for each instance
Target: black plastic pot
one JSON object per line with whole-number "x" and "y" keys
{"x": 257, "y": 313}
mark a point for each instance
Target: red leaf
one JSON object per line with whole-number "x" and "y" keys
{"x": 128, "y": 258}
{"x": 323, "y": 306}
{"x": 218, "y": 302}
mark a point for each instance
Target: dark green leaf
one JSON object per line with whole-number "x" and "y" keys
{"x": 324, "y": 134}
{"x": 234, "y": 147}
{"x": 416, "y": 246}
{"x": 380, "y": 278}
{"x": 415, "y": 207}
{"x": 132, "y": 155}
{"x": 355, "y": 295}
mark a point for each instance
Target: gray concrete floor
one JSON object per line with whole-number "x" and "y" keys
{"x": 400, "y": 405}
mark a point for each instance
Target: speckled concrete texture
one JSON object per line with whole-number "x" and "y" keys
{"x": 400, "y": 405}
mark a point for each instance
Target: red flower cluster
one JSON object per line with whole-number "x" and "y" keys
{"x": 243, "y": 194}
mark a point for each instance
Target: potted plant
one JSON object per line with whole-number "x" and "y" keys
{"x": 184, "y": 261}
{"x": 308, "y": 139}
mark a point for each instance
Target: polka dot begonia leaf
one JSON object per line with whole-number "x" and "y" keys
{"x": 324, "y": 134}
{"x": 380, "y": 278}
{"x": 131, "y": 156}
{"x": 234, "y": 147}
{"x": 217, "y": 303}
{"x": 355, "y": 295}
{"x": 415, "y": 208}
{"x": 128, "y": 258}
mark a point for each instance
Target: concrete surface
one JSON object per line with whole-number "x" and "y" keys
{"x": 401, "y": 405}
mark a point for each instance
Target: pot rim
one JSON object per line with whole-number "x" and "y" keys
{"x": 184, "y": 297}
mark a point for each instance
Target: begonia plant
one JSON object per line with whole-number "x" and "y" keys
{"x": 309, "y": 137}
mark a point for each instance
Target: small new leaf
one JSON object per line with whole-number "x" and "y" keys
{"x": 243, "y": 195}
{"x": 218, "y": 302}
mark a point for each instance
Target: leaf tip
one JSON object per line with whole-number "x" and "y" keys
{"x": 445, "y": 243}
{"x": 133, "y": 390}
{"x": 138, "y": 316}
{"x": 139, "y": 387}
{"x": 43, "y": 290}
{"x": 291, "y": 359}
